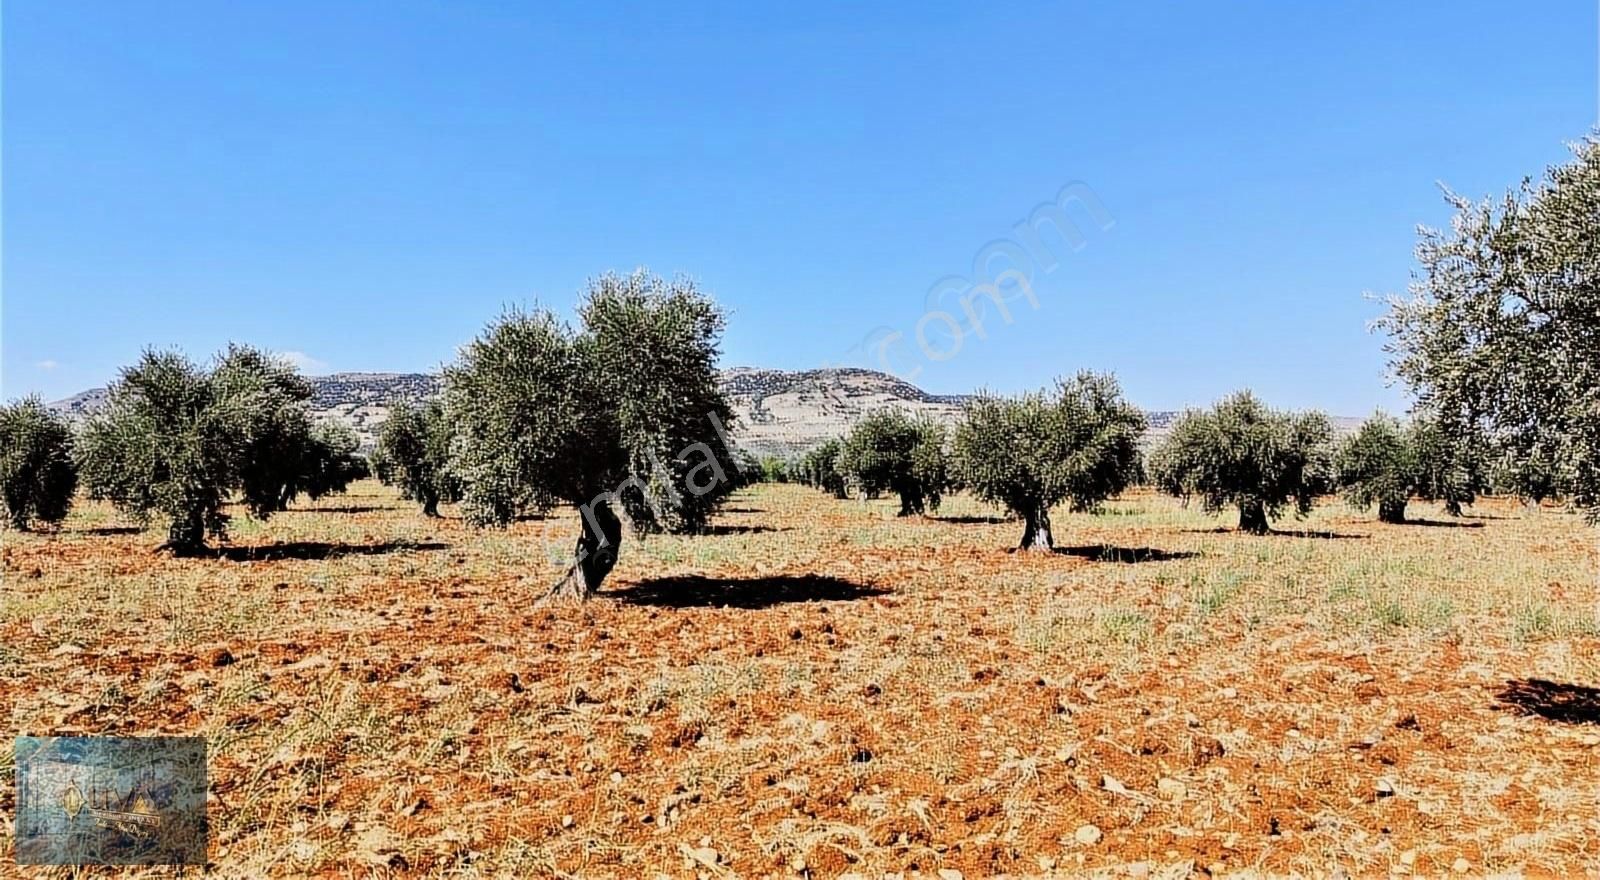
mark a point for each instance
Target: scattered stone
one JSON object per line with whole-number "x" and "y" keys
{"x": 1115, "y": 786}
{"x": 377, "y": 847}
{"x": 1385, "y": 788}
{"x": 1088, "y": 835}
{"x": 950, "y": 874}
{"x": 703, "y": 854}
{"x": 1461, "y": 866}
{"x": 1228, "y": 693}
{"x": 220, "y": 657}
{"x": 1408, "y": 858}
{"x": 567, "y": 821}
{"x": 616, "y": 776}
{"x": 1171, "y": 789}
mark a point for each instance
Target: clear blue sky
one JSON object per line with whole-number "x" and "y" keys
{"x": 367, "y": 183}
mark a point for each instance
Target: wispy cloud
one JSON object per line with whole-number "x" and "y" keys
{"x": 303, "y": 362}
{"x": 47, "y": 365}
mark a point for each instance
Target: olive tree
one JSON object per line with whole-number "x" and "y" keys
{"x": 889, "y": 451}
{"x": 1500, "y": 335}
{"x": 819, "y": 468}
{"x": 168, "y": 443}
{"x": 1078, "y": 443}
{"x": 332, "y": 461}
{"x": 279, "y": 457}
{"x": 1387, "y": 463}
{"x": 414, "y": 453}
{"x": 621, "y": 416}
{"x": 37, "y": 473}
{"x": 1240, "y": 453}
{"x": 179, "y": 440}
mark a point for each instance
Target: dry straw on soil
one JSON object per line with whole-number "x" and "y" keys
{"x": 819, "y": 688}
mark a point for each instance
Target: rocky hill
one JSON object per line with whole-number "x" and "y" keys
{"x": 780, "y": 412}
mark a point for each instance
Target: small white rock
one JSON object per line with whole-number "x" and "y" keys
{"x": 1461, "y": 866}
{"x": 1088, "y": 835}
{"x": 950, "y": 874}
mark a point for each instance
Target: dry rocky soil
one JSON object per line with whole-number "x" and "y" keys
{"x": 818, "y": 689}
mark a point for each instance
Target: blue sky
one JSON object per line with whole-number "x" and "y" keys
{"x": 366, "y": 184}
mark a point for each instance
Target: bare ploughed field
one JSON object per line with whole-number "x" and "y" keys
{"x": 818, "y": 688}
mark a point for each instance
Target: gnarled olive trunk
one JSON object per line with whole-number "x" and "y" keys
{"x": 1036, "y": 529}
{"x": 596, "y": 553}
{"x": 910, "y": 500}
{"x": 186, "y": 534}
{"x": 430, "y": 503}
{"x": 1253, "y": 517}
{"x": 1392, "y": 511}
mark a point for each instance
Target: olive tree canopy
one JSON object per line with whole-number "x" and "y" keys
{"x": 178, "y": 440}
{"x": 891, "y": 451}
{"x": 1240, "y": 453}
{"x": 1500, "y": 335}
{"x": 1387, "y": 463}
{"x": 622, "y": 415}
{"x": 1078, "y": 444}
{"x": 37, "y": 473}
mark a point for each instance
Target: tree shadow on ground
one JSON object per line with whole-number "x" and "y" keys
{"x": 1569, "y": 703}
{"x": 971, "y": 520}
{"x": 738, "y": 530}
{"x": 1278, "y": 533}
{"x": 1441, "y": 524}
{"x": 110, "y": 531}
{"x": 695, "y": 591}
{"x": 741, "y": 510}
{"x": 320, "y": 550}
{"x": 348, "y": 508}
{"x": 1108, "y": 553}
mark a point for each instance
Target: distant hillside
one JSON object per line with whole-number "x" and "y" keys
{"x": 780, "y": 412}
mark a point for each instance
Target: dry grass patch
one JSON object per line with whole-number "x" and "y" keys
{"x": 821, "y": 687}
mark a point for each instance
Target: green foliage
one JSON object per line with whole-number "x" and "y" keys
{"x": 1242, "y": 453}
{"x": 1386, "y": 463}
{"x": 37, "y": 473}
{"x": 1078, "y": 444}
{"x": 774, "y": 470}
{"x": 170, "y": 443}
{"x": 625, "y": 412}
{"x": 888, "y": 451}
{"x": 382, "y": 467}
{"x": 414, "y": 453}
{"x": 269, "y": 397}
{"x": 177, "y": 440}
{"x": 1501, "y": 333}
{"x": 819, "y": 468}
{"x": 1534, "y": 472}
{"x": 332, "y": 462}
